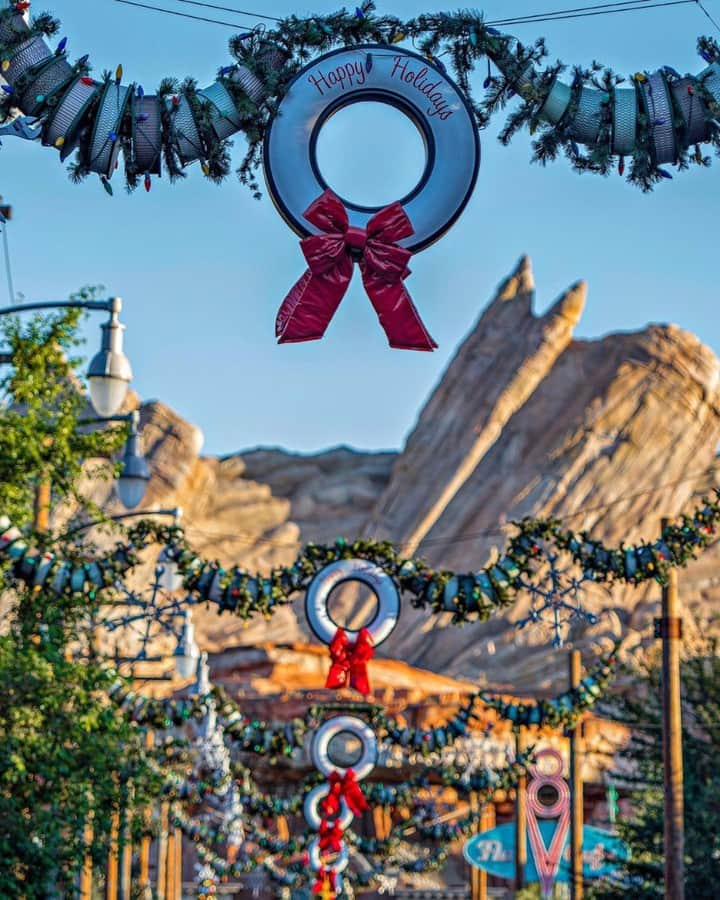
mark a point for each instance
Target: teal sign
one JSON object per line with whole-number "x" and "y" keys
{"x": 494, "y": 851}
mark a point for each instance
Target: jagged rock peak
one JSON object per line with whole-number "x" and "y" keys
{"x": 497, "y": 368}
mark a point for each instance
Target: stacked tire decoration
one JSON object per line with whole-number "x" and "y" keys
{"x": 104, "y": 118}
{"x": 330, "y": 808}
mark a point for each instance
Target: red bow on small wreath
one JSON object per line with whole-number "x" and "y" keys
{"x": 331, "y": 836}
{"x": 349, "y": 661}
{"x": 343, "y": 787}
{"x": 309, "y": 307}
{"x": 324, "y": 882}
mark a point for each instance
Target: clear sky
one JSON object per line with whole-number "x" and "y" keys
{"x": 202, "y": 269}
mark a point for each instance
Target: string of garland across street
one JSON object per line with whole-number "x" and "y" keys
{"x": 469, "y": 597}
{"x": 285, "y": 84}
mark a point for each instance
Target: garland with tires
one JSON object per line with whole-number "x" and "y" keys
{"x": 563, "y": 710}
{"x": 660, "y": 118}
{"x": 556, "y": 712}
{"x": 468, "y": 597}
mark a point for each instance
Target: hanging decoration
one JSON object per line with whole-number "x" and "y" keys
{"x": 659, "y": 118}
{"x": 467, "y": 597}
{"x": 556, "y": 598}
{"x": 308, "y": 309}
{"x": 563, "y": 710}
{"x": 339, "y": 800}
{"x": 351, "y": 651}
{"x": 280, "y": 101}
{"x": 137, "y": 618}
{"x": 337, "y": 233}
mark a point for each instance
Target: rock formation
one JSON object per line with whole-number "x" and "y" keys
{"x": 610, "y": 434}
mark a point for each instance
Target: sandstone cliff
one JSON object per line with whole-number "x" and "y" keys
{"x": 610, "y": 434}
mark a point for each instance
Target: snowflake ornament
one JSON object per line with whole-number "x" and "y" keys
{"x": 556, "y": 598}
{"x": 142, "y": 616}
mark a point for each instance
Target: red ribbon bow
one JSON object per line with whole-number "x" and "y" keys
{"x": 309, "y": 307}
{"x": 343, "y": 787}
{"x": 331, "y": 836}
{"x": 325, "y": 878}
{"x": 349, "y": 661}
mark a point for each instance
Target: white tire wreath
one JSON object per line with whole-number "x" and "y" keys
{"x": 312, "y": 813}
{"x": 337, "y": 866}
{"x": 403, "y": 80}
{"x": 320, "y": 748}
{"x": 335, "y": 574}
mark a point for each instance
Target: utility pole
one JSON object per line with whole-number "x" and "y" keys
{"x": 669, "y": 629}
{"x": 520, "y": 820}
{"x": 576, "y": 790}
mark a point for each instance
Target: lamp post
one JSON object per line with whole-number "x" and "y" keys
{"x": 133, "y": 479}
{"x": 109, "y": 373}
{"x": 109, "y": 377}
{"x": 187, "y": 652}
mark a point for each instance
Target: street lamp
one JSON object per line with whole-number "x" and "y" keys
{"x": 187, "y": 651}
{"x": 133, "y": 480}
{"x": 109, "y": 374}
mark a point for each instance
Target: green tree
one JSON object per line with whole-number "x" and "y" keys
{"x": 67, "y": 756}
{"x": 642, "y": 876}
{"x": 43, "y": 404}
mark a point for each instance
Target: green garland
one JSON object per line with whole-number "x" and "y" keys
{"x": 563, "y": 710}
{"x": 462, "y": 38}
{"x": 468, "y": 597}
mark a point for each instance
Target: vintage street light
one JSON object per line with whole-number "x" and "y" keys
{"x": 133, "y": 480}
{"x": 187, "y": 651}
{"x": 109, "y": 374}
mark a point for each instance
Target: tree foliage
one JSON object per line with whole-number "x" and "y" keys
{"x": 68, "y": 757}
{"x": 641, "y": 878}
{"x": 40, "y": 435}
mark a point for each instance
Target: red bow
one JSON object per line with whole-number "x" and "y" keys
{"x": 309, "y": 307}
{"x": 343, "y": 787}
{"x": 325, "y": 878}
{"x": 331, "y": 836}
{"x": 349, "y": 661}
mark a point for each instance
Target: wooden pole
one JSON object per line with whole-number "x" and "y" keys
{"x": 479, "y": 877}
{"x": 146, "y": 840}
{"x": 125, "y": 886}
{"x": 576, "y": 791}
{"x": 379, "y": 821}
{"x": 42, "y": 505}
{"x": 111, "y": 877}
{"x": 170, "y": 889}
{"x": 178, "y": 864}
{"x": 670, "y": 630}
{"x": 475, "y": 872}
{"x": 87, "y": 869}
{"x": 162, "y": 853}
{"x": 520, "y": 820}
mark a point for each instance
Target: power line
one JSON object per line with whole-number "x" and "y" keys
{"x": 254, "y": 15}
{"x": 171, "y": 12}
{"x": 8, "y": 268}
{"x": 577, "y": 9}
{"x": 559, "y": 15}
{"x": 586, "y": 15}
{"x": 699, "y": 3}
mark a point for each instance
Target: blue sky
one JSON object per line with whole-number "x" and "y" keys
{"x": 202, "y": 269}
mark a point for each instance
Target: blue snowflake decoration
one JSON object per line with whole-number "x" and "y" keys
{"x": 556, "y": 599}
{"x": 140, "y": 617}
